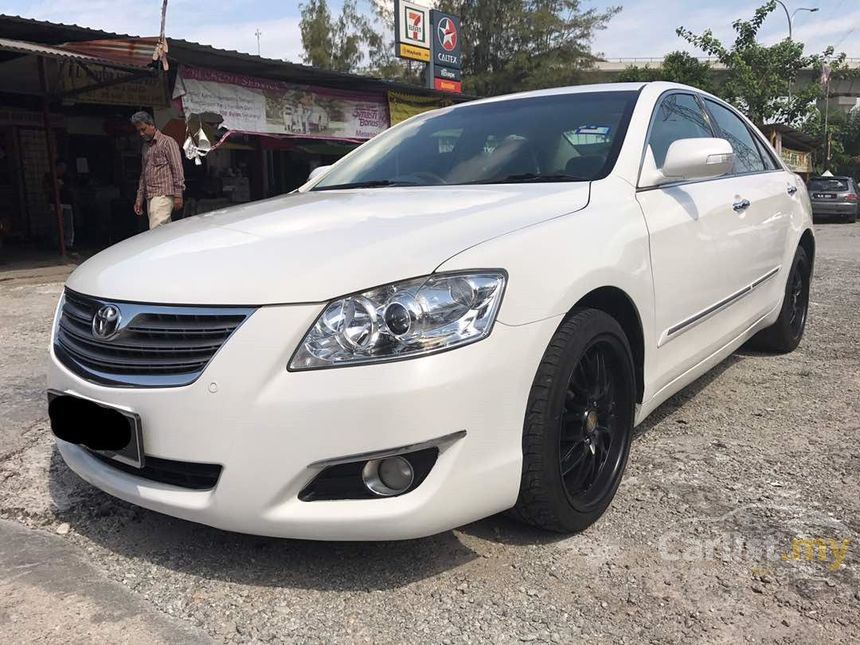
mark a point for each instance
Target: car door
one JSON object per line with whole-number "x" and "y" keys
{"x": 702, "y": 238}
{"x": 764, "y": 225}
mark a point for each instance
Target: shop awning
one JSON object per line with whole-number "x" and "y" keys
{"x": 60, "y": 52}
{"x": 103, "y": 64}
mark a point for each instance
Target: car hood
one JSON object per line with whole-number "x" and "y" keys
{"x": 314, "y": 246}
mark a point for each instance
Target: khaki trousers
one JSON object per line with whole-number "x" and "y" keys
{"x": 160, "y": 210}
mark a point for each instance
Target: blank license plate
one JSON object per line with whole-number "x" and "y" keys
{"x": 109, "y": 431}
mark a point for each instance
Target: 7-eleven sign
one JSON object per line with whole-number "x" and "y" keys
{"x": 412, "y": 29}
{"x": 415, "y": 24}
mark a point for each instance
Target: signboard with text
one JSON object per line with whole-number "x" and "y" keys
{"x": 266, "y": 106}
{"x": 412, "y": 30}
{"x": 446, "y": 40}
{"x": 447, "y": 59}
{"x": 148, "y": 91}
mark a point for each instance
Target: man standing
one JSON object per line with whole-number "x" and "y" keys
{"x": 162, "y": 180}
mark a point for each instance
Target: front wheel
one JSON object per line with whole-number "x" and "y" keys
{"x": 784, "y": 335}
{"x": 578, "y": 424}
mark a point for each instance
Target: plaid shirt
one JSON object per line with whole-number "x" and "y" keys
{"x": 161, "y": 169}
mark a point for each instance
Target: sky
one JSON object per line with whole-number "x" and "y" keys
{"x": 644, "y": 28}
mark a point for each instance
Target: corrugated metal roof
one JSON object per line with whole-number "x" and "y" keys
{"x": 36, "y": 49}
{"x": 192, "y": 53}
{"x": 137, "y": 52}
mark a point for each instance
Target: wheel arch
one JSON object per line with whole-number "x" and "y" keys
{"x": 807, "y": 243}
{"x": 620, "y": 306}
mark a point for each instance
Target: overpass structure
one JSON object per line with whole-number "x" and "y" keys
{"x": 844, "y": 92}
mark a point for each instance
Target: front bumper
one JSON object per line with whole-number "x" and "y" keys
{"x": 266, "y": 426}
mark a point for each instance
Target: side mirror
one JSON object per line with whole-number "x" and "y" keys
{"x": 316, "y": 172}
{"x": 697, "y": 159}
{"x": 687, "y": 159}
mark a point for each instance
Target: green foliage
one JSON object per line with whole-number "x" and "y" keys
{"x": 336, "y": 44}
{"x": 360, "y": 39}
{"x": 844, "y": 133}
{"x": 760, "y": 80}
{"x": 677, "y": 67}
{"x": 515, "y": 45}
{"x": 508, "y": 45}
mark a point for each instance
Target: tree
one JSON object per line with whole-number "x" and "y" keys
{"x": 514, "y": 45}
{"x": 844, "y": 133}
{"x": 333, "y": 44}
{"x": 677, "y": 67}
{"x": 760, "y": 80}
{"x": 381, "y": 52}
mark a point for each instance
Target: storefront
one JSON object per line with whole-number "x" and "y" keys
{"x": 266, "y": 125}
{"x": 794, "y": 147}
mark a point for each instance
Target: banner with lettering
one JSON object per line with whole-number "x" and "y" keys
{"x": 251, "y": 104}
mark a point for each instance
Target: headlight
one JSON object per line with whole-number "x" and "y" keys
{"x": 403, "y": 320}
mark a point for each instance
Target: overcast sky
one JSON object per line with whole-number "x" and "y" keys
{"x": 644, "y": 28}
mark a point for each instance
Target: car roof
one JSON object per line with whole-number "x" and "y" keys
{"x": 660, "y": 86}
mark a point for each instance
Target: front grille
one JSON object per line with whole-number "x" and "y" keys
{"x": 184, "y": 474}
{"x": 153, "y": 346}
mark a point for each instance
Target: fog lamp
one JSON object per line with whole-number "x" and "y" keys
{"x": 388, "y": 476}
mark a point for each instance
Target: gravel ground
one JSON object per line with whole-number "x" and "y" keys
{"x": 697, "y": 545}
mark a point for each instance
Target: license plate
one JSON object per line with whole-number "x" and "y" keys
{"x": 101, "y": 428}
{"x": 824, "y": 196}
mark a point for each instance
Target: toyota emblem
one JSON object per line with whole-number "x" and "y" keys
{"x": 106, "y": 322}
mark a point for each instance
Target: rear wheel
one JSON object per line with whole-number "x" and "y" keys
{"x": 578, "y": 424}
{"x": 784, "y": 335}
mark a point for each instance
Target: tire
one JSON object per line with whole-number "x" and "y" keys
{"x": 579, "y": 415}
{"x": 785, "y": 334}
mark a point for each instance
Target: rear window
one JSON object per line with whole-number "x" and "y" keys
{"x": 829, "y": 184}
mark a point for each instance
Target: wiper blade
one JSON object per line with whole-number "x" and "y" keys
{"x": 373, "y": 183}
{"x": 529, "y": 178}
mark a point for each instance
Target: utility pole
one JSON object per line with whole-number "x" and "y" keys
{"x": 826, "y": 71}
{"x": 791, "y": 16}
{"x": 258, "y": 33}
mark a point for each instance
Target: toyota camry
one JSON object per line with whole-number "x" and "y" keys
{"x": 466, "y": 315}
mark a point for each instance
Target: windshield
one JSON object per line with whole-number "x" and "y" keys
{"x": 567, "y": 137}
{"x": 832, "y": 184}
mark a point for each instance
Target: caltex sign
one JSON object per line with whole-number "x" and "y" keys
{"x": 446, "y": 45}
{"x": 446, "y": 58}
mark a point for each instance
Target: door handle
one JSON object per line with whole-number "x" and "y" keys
{"x": 742, "y": 205}
{"x": 791, "y": 190}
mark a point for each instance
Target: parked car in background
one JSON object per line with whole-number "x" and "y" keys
{"x": 467, "y": 314}
{"x": 834, "y": 197}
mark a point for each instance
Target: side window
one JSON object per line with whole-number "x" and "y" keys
{"x": 766, "y": 155}
{"x": 678, "y": 117}
{"x": 747, "y": 157}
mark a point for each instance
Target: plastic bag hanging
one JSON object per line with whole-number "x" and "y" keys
{"x": 199, "y": 148}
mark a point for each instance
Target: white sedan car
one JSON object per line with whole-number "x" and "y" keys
{"x": 466, "y": 315}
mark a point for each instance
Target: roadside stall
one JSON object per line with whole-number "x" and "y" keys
{"x": 67, "y": 92}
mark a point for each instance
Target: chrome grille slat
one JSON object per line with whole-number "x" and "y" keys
{"x": 155, "y": 345}
{"x": 139, "y": 342}
{"x": 93, "y": 352}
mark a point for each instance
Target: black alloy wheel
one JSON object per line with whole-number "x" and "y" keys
{"x": 786, "y": 333}
{"x": 578, "y": 425}
{"x": 590, "y": 439}
{"x": 798, "y": 302}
